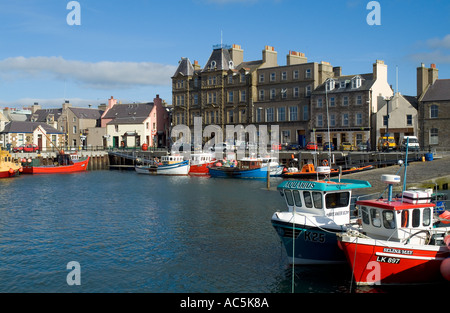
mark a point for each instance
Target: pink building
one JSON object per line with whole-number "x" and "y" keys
{"x": 135, "y": 124}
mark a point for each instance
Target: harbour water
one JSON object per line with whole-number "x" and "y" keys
{"x": 156, "y": 234}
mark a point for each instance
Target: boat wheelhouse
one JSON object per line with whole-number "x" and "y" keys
{"x": 316, "y": 211}
{"x": 170, "y": 165}
{"x": 401, "y": 241}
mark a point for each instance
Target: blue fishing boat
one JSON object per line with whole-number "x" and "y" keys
{"x": 246, "y": 168}
{"x": 316, "y": 211}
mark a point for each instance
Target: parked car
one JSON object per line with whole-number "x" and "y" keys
{"x": 311, "y": 146}
{"x": 328, "y": 146}
{"x": 31, "y": 148}
{"x": 386, "y": 143}
{"x": 26, "y": 148}
{"x": 413, "y": 143}
{"x": 293, "y": 146}
{"x": 347, "y": 146}
{"x": 18, "y": 149}
{"x": 362, "y": 146}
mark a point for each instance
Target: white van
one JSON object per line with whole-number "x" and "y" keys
{"x": 413, "y": 144}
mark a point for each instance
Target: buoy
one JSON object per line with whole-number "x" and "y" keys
{"x": 11, "y": 171}
{"x": 445, "y": 269}
{"x": 21, "y": 169}
{"x": 218, "y": 164}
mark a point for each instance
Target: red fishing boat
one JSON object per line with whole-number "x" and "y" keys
{"x": 402, "y": 241}
{"x": 65, "y": 163}
{"x": 200, "y": 163}
{"x": 8, "y": 166}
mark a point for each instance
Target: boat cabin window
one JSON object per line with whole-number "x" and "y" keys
{"x": 365, "y": 215}
{"x": 416, "y": 218}
{"x": 426, "y": 217}
{"x": 375, "y": 217}
{"x": 307, "y": 198}
{"x": 297, "y": 199}
{"x": 337, "y": 200}
{"x": 289, "y": 198}
{"x": 405, "y": 221}
{"x": 317, "y": 197}
{"x": 388, "y": 220}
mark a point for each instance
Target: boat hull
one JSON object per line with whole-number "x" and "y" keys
{"x": 200, "y": 169}
{"x": 77, "y": 166}
{"x": 378, "y": 262}
{"x": 234, "y": 172}
{"x": 7, "y": 174}
{"x": 307, "y": 245}
{"x": 176, "y": 169}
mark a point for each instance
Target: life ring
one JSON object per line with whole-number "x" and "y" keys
{"x": 325, "y": 162}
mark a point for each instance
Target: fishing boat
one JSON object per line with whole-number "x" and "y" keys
{"x": 200, "y": 163}
{"x": 243, "y": 168}
{"x": 275, "y": 168}
{"x": 173, "y": 165}
{"x": 401, "y": 241}
{"x": 316, "y": 211}
{"x": 65, "y": 163}
{"x": 8, "y": 166}
{"x": 309, "y": 171}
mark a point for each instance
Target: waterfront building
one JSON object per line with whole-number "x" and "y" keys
{"x": 347, "y": 105}
{"x": 46, "y": 137}
{"x": 133, "y": 124}
{"x": 434, "y": 109}
{"x": 231, "y": 91}
{"x": 402, "y": 119}
{"x": 49, "y": 116}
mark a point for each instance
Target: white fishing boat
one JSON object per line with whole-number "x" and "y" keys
{"x": 174, "y": 165}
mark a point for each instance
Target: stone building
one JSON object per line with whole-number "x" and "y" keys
{"x": 434, "y": 109}
{"x": 344, "y": 106}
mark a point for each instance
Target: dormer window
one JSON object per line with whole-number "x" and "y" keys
{"x": 231, "y": 64}
{"x": 213, "y": 65}
{"x": 343, "y": 84}
{"x": 356, "y": 82}
{"x": 330, "y": 84}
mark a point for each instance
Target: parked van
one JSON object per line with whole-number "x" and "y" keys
{"x": 386, "y": 143}
{"x": 413, "y": 144}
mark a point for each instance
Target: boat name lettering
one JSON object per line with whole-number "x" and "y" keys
{"x": 397, "y": 251}
{"x": 300, "y": 185}
{"x": 337, "y": 213}
{"x": 385, "y": 259}
{"x": 314, "y": 237}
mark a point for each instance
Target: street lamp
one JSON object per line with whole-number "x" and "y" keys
{"x": 387, "y": 99}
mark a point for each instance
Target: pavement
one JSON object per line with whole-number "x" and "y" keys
{"x": 437, "y": 170}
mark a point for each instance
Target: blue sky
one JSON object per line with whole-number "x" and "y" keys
{"x": 130, "y": 49}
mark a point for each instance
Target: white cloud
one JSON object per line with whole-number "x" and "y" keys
{"x": 438, "y": 51}
{"x": 100, "y": 75}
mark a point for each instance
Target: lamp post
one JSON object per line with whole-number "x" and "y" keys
{"x": 387, "y": 115}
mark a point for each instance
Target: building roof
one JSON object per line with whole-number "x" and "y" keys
{"x": 220, "y": 60}
{"x": 28, "y": 127}
{"x": 42, "y": 114}
{"x": 185, "y": 68}
{"x": 135, "y": 113}
{"x": 84, "y": 113}
{"x": 367, "y": 82}
{"x": 438, "y": 91}
{"x": 413, "y": 100}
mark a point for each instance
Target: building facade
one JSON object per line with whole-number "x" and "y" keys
{"x": 231, "y": 91}
{"x": 434, "y": 109}
{"x": 343, "y": 107}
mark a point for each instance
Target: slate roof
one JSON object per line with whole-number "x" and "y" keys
{"x": 438, "y": 91}
{"x": 84, "y": 113}
{"x": 219, "y": 60}
{"x": 135, "y": 113}
{"x": 42, "y": 114}
{"x": 366, "y": 83}
{"x": 28, "y": 127}
{"x": 413, "y": 100}
{"x": 185, "y": 68}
